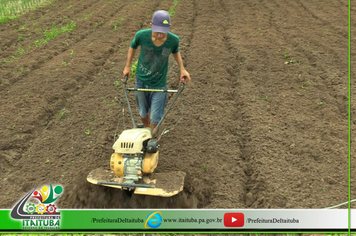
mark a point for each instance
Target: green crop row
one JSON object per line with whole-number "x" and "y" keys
{"x": 10, "y": 9}
{"x": 49, "y": 35}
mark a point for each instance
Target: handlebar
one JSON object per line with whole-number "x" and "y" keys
{"x": 182, "y": 80}
{"x": 179, "y": 91}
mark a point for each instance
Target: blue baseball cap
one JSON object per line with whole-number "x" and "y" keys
{"x": 161, "y": 21}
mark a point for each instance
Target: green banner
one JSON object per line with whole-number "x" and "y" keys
{"x": 170, "y": 220}
{"x": 113, "y": 219}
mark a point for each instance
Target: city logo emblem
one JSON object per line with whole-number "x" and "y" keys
{"x": 44, "y": 215}
{"x": 154, "y": 220}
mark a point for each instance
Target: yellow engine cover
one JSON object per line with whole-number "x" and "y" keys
{"x": 150, "y": 162}
{"x": 117, "y": 164}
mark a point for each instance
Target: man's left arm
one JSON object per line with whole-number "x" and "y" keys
{"x": 183, "y": 71}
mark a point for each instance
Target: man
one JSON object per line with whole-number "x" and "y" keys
{"x": 156, "y": 44}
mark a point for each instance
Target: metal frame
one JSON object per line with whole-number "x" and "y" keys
{"x": 179, "y": 91}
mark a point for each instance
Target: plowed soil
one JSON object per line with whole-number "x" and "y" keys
{"x": 264, "y": 122}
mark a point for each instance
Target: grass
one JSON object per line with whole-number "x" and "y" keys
{"x": 45, "y": 234}
{"x": 320, "y": 234}
{"x": 10, "y": 9}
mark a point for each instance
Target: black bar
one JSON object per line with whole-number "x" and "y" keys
{"x": 127, "y": 185}
{"x": 169, "y": 108}
{"x": 128, "y": 103}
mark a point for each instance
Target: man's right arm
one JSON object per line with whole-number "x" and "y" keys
{"x": 130, "y": 55}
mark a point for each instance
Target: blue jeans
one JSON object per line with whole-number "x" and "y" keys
{"x": 153, "y": 102}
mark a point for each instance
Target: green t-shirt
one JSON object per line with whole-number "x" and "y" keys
{"x": 152, "y": 63}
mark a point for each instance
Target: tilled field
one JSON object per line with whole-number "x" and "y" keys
{"x": 265, "y": 118}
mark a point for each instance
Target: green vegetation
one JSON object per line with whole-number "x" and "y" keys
{"x": 99, "y": 23}
{"x": 117, "y": 84}
{"x": 48, "y": 234}
{"x": 22, "y": 28}
{"x": 305, "y": 84}
{"x": 20, "y": 52}
{"x": 116, "y": 24}
{"x": 88, "y": 132}
{"x": 286, "y": 55}
{"x": 20, "y": 71}
{"x": 61, "y": 114}
{"x": 91, "y": 119}
{"x": 88, "y": 16}
{"x": 171, "y": 10}
{"x": 64, "y": 63}
{"x": 109, "y": 103}
{"x": 49, "y": 35}
{"x": 138, "y": 3}
{"x": 55, "y": 31}
{"x": 289, "y": 61}
{"x": 133, "y": 69}
{"x": 10, "y": 9}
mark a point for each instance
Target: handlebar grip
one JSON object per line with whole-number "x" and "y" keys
{"x": 126, "y": 78}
